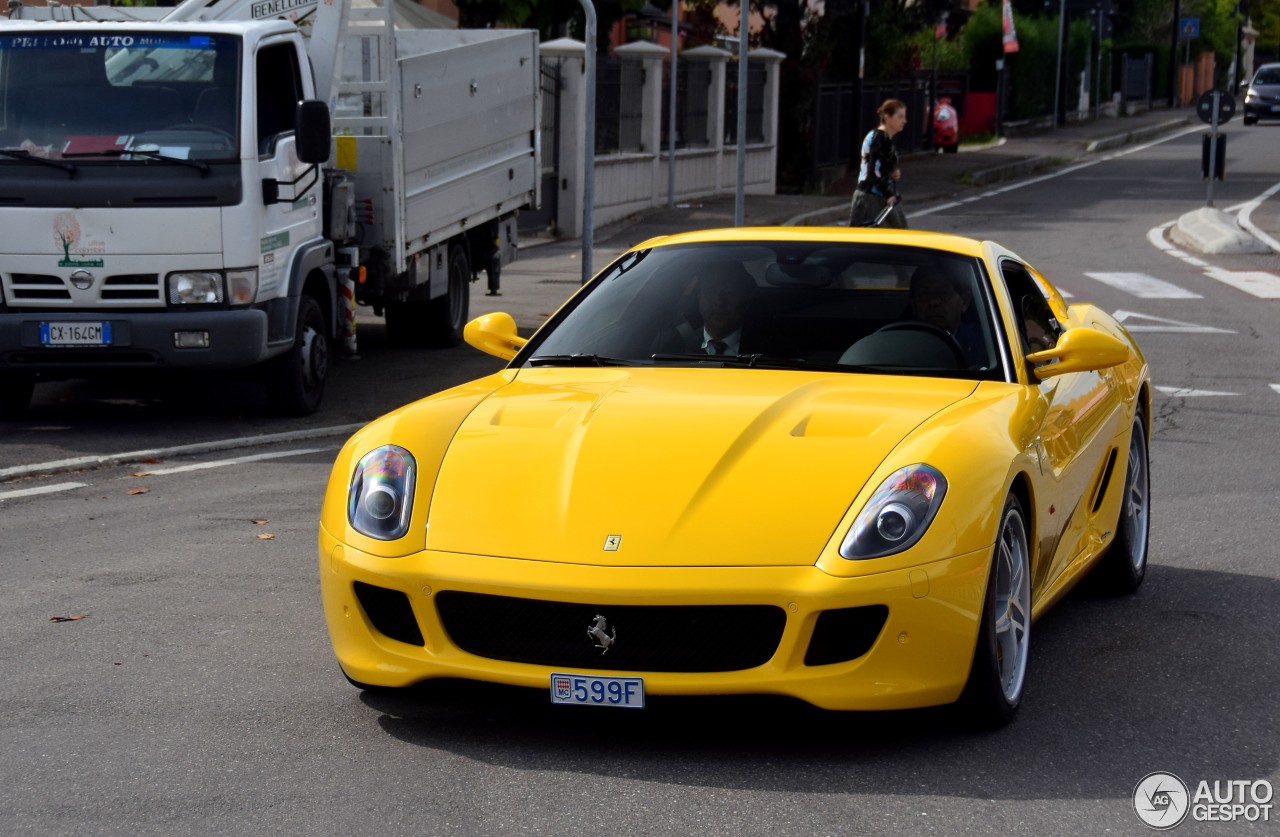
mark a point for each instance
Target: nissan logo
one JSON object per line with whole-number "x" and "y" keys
{"x": 82, "y": 279}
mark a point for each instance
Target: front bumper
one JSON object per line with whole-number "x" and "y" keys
{"x": 919, "y": 656}
{"x": 237, "y": 338}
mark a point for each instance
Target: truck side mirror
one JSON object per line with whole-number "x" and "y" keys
{"x": 311, "y": 131}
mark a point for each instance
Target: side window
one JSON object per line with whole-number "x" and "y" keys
{"x": 1037, "y": 327}
{"x": 279, "y": 91}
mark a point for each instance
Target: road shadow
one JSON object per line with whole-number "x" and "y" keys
{"x": 1179, "y": 677}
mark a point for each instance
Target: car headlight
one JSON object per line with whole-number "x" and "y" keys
{"x": 206, "y": 287}
{"x": 380, "y": 497}
{"x": 897, "y": 515}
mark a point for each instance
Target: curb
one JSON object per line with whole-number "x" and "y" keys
{"x": 1130, "y": 137}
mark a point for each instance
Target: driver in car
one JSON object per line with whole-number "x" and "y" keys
{"x": 940, "y": 300}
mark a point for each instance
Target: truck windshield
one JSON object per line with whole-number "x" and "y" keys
{"x": 84, "y": 94}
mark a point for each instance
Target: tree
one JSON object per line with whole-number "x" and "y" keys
{"x": 547, "y": 16}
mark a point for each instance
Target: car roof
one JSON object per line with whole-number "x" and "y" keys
{"x": 837, "y": 235}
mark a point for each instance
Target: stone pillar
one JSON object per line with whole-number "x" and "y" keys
{"x": 571, "y": 57}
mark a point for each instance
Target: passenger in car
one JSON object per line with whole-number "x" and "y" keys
{"x": 724, "y": 294}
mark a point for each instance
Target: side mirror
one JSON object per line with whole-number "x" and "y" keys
{"x": 494, "y": 334}
{"x": 1080, "y": 349}
{"x": 311, "y": 131}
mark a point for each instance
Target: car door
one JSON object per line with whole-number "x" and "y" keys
{"x": 1080, "y": 411}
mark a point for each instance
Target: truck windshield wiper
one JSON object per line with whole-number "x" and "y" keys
{"x": 20, "y": 154}
{"x": 141, "y": 152}
{"x": 577, "y": 360}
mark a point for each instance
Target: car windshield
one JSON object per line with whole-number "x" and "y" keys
{"x": 130, "y": 96}
{"x": 824, "y": 305}
{"x": 1267, "y": 75}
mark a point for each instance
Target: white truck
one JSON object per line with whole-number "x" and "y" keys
{"x": 217, "y": 188}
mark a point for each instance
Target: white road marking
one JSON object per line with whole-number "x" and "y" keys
{"x": 929, "y": 210}
{"x": 239, "y": 460}
{"x": 1163, "y": 324}
{"x": 1183, "y": 392}
{"x": 1260, "y": 283}
{"x": 1246, "y": 218}
{"x": 1276, "y": 387}
{"x": 52, "y": 488}
{"x": 83, "y": 462}
{"x": 1143, "y": 286}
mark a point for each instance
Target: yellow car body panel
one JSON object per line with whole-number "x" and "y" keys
{"x": 632, "y": 485}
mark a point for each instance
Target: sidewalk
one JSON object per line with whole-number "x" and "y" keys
{"x": 547, "y": 273}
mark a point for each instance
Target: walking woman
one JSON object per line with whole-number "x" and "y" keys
{"x": 878, "y": 175}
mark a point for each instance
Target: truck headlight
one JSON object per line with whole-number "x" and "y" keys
{"x": 380, "y": 497}
{"x": 195, "y": 287}
{"x": 897, "y": 515}
{"x": 207, "y": 287}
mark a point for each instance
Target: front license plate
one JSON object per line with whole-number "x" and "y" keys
{"x": 586, "y": 689}
{"x": 75, "y": 334}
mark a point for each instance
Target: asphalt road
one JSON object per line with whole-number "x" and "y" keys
{"x": 197, "y": 692}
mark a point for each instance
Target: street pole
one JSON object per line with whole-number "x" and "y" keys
{"x": 589, "y": 141}
{"x": 1173, "y": 55}
{"x": 1213, "y": 148}
{"x": 739, "y": 206}
{"x": 671, "y": 106}
{"x": 1057, "y": 67}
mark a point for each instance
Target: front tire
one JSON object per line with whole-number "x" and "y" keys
{"x": 1124, "y": 566}
{"x": 296, "y": 379}
{"x": 998, "y": 676}
{"x": 16, "y": 389}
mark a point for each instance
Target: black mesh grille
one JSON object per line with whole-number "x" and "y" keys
{"x": 390, "y": 613}
{"x": 845, "y": 634}
{"x": 658, "y": 638}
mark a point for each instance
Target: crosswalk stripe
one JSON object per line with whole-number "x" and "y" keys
{"x": 1143, "y": 286}
{"x": 1261, "y": 283}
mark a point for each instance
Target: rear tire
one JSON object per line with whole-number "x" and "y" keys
{"x": 1124, "y": 565}
{"x": 997, "y": 678}
{"x": 16, "y": 389}
{"x": 296, "y": 379}
{"x": 449, "y": 314}
{"x": 437, "y": 323}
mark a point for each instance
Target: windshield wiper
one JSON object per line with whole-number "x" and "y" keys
{"x": 141, "y": 152}
{"x": 577, "y": 360}
{"x": 20, "y": 154}
{"x": 761, "y": 361}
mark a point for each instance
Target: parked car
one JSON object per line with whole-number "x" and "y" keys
{"x": 1262, "y": 98}
{"x": 849, "y": 466}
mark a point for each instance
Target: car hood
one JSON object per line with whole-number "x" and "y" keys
{"x": 670, "y": 467}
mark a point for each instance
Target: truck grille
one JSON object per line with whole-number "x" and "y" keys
{"x": 658, "y": 638}
{"x": 35, "y": 289}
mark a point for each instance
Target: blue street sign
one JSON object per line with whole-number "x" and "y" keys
{"x": 1189, "y": 28}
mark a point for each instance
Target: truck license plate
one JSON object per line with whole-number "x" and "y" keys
{"x": 75, "y": 334}
{"x": 589, "y": 690}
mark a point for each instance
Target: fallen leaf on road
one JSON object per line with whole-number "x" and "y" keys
{"x": 261, "y": 522}
{"x": 66, "y": 618}
{"x": 142, "y": 490}
{"x": 266, "y": 536}
{"x": 141, "y": 474}
{"x": 151, "y": 461}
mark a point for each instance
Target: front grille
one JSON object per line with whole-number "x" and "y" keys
{"x": 37, "y": 288}
{"x": 645, "y": 638}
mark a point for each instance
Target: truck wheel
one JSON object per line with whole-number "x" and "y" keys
{"x": 449, "y": 313}
{"x": 15, "y": 393}
{"x": 296, "y": 379}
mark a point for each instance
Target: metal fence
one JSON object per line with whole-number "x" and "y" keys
{"x": 757, "y": 74}
{"x": 834, "y": 142}
{"x": 693, "y": 103}
{"x": 619, "y": 102}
